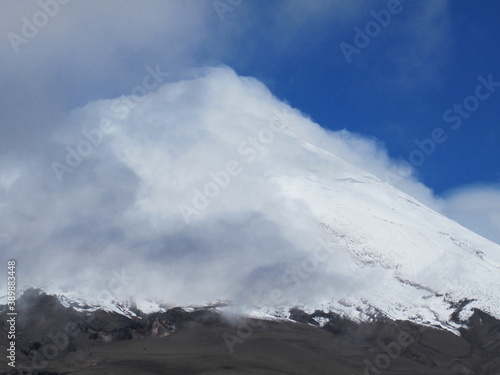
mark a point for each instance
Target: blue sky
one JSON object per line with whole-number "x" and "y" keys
{"x": 379, "y": 96}
{"x": 56, "y": 79}
{"x": 396, "y": 89}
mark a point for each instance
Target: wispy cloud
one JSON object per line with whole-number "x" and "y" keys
{"x": 476, "y": 207}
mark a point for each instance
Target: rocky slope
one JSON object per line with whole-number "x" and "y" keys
{"x": 54, "y": 339}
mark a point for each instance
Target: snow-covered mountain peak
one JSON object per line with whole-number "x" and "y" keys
{"x": 422, "y": 266}
{"x": 198, "y": 198}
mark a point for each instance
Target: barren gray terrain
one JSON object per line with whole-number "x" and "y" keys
{"x": 53, "y": 339}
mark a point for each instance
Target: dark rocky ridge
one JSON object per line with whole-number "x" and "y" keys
{"x": 53, "y": 339}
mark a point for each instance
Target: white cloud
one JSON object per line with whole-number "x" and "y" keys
{"x": 476, "y": 207}
{"x": 81, "y": 32}
{"x": 92, "y": 50}
{"x": 119, "y": 208}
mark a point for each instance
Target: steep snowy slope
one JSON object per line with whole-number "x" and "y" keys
{"x": 428, "y": 263}
{"x": 422, "y": 263}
